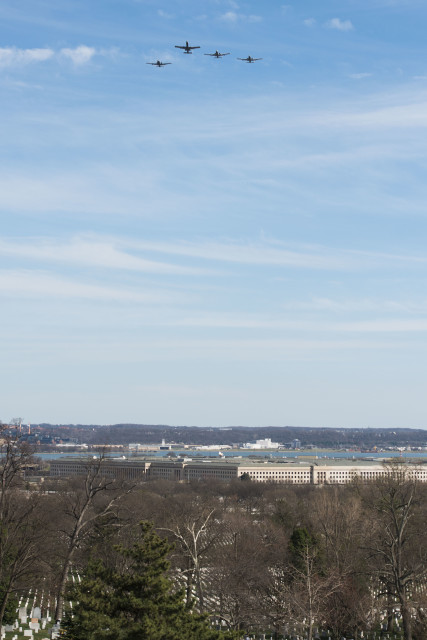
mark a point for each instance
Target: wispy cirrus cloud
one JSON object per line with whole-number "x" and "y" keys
{"x": 232, "y": 17}
{"x": 300, "y": 325}
{"x": 35, "y": 284}
{"x": 252, "y": 253}
{"x": 229, "y": 16}
{"x": 103, "y": 253}
{"x": 386, "y": 325}
{"x": 340, "y": 25}
{"x": 359, "y": 305}
{"x": 125, "y": 254}
{"x": 359, "y": 76}
{"x": 164, "y": 14}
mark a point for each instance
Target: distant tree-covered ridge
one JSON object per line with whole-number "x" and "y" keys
{"x": 320, "y": 437}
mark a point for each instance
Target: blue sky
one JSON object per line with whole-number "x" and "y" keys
{"x": 214, "y": 242}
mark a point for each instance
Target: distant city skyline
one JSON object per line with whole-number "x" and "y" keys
{"x": 214, "y": 242}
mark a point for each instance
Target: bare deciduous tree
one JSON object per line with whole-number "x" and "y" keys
{"x": 240, "y": 565}
{"x": 19, "y": 522}
{"x": 92, "y": 499}
{"x": 397, "y": 543}
{"x": 193, "y": 528}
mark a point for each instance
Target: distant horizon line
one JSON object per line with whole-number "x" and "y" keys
{"x": 211, "y": 427}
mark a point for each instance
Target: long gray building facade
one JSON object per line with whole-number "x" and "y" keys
{"x": 187, "y": 470}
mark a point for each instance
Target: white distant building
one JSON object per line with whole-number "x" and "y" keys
{"x": 135, "y": 446}
{"x": 69, "y": 445}
{"x": 211, "y": 447}
{"x": 262, "y": 444}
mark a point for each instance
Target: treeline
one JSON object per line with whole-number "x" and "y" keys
{"x": 320, "y": 437}
{"x": 251, "y": 556}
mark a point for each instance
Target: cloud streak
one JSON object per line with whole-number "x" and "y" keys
{"x": 93, "y": 253}
{"x": 80, "y": 55}
{"x": 123, "y": 253}
{"x": 340, "y": 25}
{"x": 12, "y": 56}
{"x": 35, "y": 285}
{"x": 297, "y": 326}
{"x": 232, "y": 17}
{"x": 319, "y": 257}
{"x": 360, "y": 76}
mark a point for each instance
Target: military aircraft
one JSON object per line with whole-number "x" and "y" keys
{"x": 249, "y": 59}
{"x": 158, "y": 63}
{"x": 217, "y": 54}
{"x": 186, "y": 47}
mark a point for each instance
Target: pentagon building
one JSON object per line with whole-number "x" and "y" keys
{"x": 279, "y": 470}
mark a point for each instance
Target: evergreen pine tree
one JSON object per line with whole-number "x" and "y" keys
{"x": 134, "y": 600}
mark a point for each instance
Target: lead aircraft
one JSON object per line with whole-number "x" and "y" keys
{"x": 186, "y": 47}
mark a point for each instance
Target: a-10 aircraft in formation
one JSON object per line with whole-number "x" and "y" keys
{"x": 217, "y": 54}
{"x": 158, "y": 63}
{"x": 187, "y": 49}
{"x": 249, "y": 59}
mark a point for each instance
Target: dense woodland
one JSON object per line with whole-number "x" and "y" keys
{"x": 252, "y": 557}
